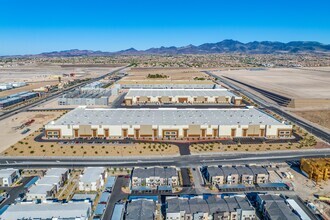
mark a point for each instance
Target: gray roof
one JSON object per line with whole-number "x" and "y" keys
{"x": 258, "y": 170}
{"x": 140, "y": 209}
{"x": 242, "y": 170}
{"x": 91, "y": 174}
{"x": 179, "y": 92}
{"x": 46, "y": 211}
{"x": 212, "y": 204}
{"x": 276, "y": 207}
{"x": 56, "y": 171}
{"x": 40, "y": 189}
{"x": 48, "y": 180}
{"x": 215, "y": 171}
{"x": 4, "y": 173}
{"x": 162, "y": 172}
{"x": 169, "y": 116}
{"x": 229, "y": 170}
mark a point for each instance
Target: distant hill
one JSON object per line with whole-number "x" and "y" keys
{"x": 225, "y": 46}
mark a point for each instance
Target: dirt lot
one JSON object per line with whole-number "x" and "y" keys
{"x": 28, "y": 147}
{"x": 37, "y": 75}
{"x": 175, "y": 75}
{"x": 320, "y": 117}
{"x": 308, "y": 87}
{"x": 9, "y": 135}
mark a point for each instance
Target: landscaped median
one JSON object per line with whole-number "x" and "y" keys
{"x": 29, "y": 147}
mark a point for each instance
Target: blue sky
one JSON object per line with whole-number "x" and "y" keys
{"x": 35, "y": 26}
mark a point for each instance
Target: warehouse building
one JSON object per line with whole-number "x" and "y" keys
{"x": 167, "y": 123}
{"x": 181, "y": 96}
{"x": 86, "y": 96}
{"x": 168, "y": 86}
{"x": 44, "y": 211}
{"x": 16, "y": 98}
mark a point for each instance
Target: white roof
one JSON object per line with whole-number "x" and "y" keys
{"x": 48, "y": 180}
{"x": 298, "y": 209}
{"x": 46, "y": 211}
{"x": 179, "y": 92}
{"x": 91, "y": 174}
{"x": 168, "y": 116}
{"x": 56, "y": 171}
{"x": 40, "y": 189}
{"x": 4, "y": 173}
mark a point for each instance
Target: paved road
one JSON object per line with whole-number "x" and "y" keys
{"x": 15, "y": 191}
{"x": 116, "y": 196}
{"x": 263, "y": 103}
{"x": 179, "y": 161}
{"x": 55, "y": 95}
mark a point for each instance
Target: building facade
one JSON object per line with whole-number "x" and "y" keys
{"x": 92, "y": 179}
{"x": 8, "y": 176}
{"x": 181, "y": 96}
{"x": 166, "y": 123}
{"x": 213, "y": 207}
{"x": 154, "y": 178}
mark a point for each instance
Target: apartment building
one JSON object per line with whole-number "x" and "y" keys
{"x": 247, "y": 175}
{"x": 140, "y": 209}
{"x": 274, "y": 207}
{"x": 212, "y": 207}
{"x": 92, "y": 179}
{"x": 8, "y": 176}
{"x": 154, "y": 178}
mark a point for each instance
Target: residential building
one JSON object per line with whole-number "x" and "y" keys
{"x": 85, "y": 122}
{"x": 140, "y": 209}
{"x": 274, "y": 207}
{"x": 245, "y": 175}
{"x": 214, "y": 175}
{"x": 231, "y": 175}
{"x": 260, "y": 174}
{"x": 8, "y": 176}
{"x": 212, "y": 207}
{"x": 92, "y": 179}
{"x": 46, "y": 211}
{"x": 154, "y": 178}
{"x": 317, "y": 169}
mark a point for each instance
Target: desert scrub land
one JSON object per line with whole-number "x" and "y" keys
{"x": 218, "y": 147}
{"x": 320, "y": 117}
{"x": 29, "y": 147}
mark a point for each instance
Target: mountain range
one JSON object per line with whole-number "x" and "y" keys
{"x": 225, "y": 46}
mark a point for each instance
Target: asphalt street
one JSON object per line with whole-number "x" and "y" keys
{"x": 179, "y": 161}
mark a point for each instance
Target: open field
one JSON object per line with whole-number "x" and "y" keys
{"x": 308, "y": 87}
{"x": 38, "y": 75}
{"x": 320, "y": 117}
{"x": 9, "y": 135}
{"x": 29, "y": 147}
{"x": 175, "y": 75}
